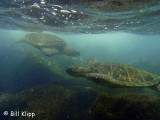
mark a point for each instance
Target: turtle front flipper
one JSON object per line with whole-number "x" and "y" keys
{"x": 104, "y": 80}
{"x": 49, "y": 51}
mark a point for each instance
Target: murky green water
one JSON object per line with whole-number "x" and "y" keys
{"x": 61, "y": 78}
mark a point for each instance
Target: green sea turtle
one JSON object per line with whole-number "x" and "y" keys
{"x": 116, "y": 75}
{"x": 49, "y": 44}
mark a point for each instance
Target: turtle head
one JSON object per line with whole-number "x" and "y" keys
{"x": 157, "y": 87}
{"x": 71, "y": 52}
{"x": 78, "y": 71}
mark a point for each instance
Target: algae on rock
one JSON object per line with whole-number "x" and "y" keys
{"x": 45, "y": 101}
{"x": 126, "y": 106}
{"x": 52, "y": 102}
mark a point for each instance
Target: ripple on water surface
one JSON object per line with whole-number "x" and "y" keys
{"x": 91, "y": 16}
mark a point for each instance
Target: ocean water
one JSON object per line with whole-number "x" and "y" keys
{"x": 37, "y": 86}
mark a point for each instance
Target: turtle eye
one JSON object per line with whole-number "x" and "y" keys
{"x": 72, "y": 69}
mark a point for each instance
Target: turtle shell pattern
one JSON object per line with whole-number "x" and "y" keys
{"x": 122, "y": 75}
{"x": 44, "y": 40}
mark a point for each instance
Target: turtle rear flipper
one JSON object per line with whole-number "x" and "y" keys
{"x": 20, "y": 40}
{"x": 70, "y": 52}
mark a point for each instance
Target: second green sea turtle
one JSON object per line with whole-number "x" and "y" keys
{"x": 116, "y": 75}
{"x": 49, "y": 44}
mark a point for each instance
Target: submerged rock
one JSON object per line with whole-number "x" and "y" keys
{"x": 126, "y": 106}
{"x": 51, "y": 102}
{"x": 49, "y": 44}
{"x": 34, "y": 69}
{"x": 45, "y": 101}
